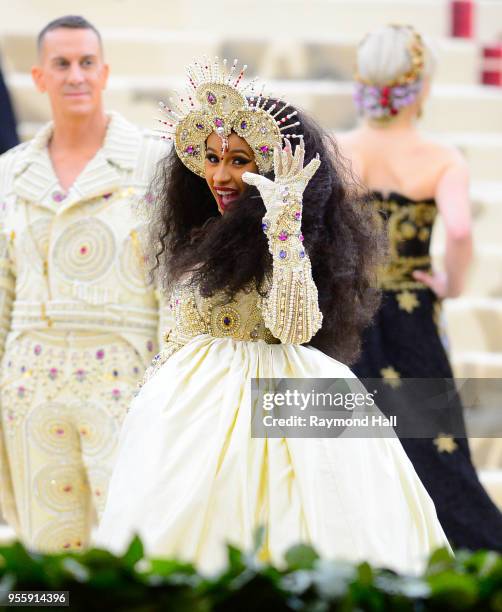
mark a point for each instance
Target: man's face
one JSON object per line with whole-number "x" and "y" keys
{"x": 72, "y": 71}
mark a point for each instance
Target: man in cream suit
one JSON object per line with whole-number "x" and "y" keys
{"x": 78, "y": 315}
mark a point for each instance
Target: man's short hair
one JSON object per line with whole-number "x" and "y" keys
{"x": 72, "y": 22}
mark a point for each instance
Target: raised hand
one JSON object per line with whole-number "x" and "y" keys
{"x": 291, "y": 178}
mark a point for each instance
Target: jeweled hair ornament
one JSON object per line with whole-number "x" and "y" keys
{"x": 216, "y": 100}
{"x": 385, "y": 100}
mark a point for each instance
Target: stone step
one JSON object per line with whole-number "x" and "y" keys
{"x": 483, "y": 151}
{"x": 486, "y": 453}
{"x": 450, "y": 109}
{"x": 474, "y": 324}
{"x": 476, "y": 364}
{"x": 156, "y": 53}
{"x": 268, "y": 17}
{"x": 492, "y": 481}
{"x": 484, "y": 276}
{"x": 155, "y": 14}
{"x": 486, "y": 206}
{"x": 335, "y": 58}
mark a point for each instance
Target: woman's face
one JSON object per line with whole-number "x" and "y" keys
{"x": 224, "y": 170}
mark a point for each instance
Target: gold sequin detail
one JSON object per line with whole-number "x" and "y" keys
{"x": 445, "y": 443}
{"x": 391, "y": 376}
{"x": 228, "y": 321}
{"x": 407, "y": 301}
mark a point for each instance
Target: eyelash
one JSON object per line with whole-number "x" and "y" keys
{"x": 214, "y": 159}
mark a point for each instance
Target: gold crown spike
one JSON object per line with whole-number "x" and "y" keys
{"x": 215, "y": 100}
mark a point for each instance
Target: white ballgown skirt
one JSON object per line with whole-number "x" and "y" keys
{"x": 189, "y": 477}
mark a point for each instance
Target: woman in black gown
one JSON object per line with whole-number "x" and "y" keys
{"x": 411, "y": 179}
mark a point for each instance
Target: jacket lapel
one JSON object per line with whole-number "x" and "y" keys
{"x": 34, "y": 178}
{"x": 105, "y": 172}
{"x": 36, "y": 181}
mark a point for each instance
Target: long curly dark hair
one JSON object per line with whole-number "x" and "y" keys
{"x": 223, "y": 253}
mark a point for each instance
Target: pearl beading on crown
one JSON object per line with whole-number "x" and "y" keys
{"x": 216, "y": 100}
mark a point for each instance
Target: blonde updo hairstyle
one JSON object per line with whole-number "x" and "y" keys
{"x": 385, "y": 68}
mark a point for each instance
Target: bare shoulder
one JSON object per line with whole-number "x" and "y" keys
{"x": 443, "y": 154}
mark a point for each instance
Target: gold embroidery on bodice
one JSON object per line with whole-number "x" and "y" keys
{"x": 217, "y": 316}
{"x": 287, "y": 312}
{"x": 409, "y": 227}
{"x": 239, "y": 318}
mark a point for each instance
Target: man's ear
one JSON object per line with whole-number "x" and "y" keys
{"x": 106, "y": 73}
{"x": 37, "y": 74}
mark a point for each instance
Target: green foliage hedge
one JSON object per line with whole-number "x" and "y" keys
{"x": 98, "y": 580}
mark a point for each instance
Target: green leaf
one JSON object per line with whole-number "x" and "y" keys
{"x": 301, "y": 556}
{"x": 365, "y": 574}
{"x": 439, "y": 560}
{"x": 77, "y": 570}
{"x": 235, "y": 560}
{"x": 134, "y": 553}
{"x": 459, "y": 590}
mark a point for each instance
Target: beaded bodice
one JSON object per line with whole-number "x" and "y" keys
{"x": 409, "y": 224}
{"x": 218, "y": 316}
{"x": 287, "y": 312}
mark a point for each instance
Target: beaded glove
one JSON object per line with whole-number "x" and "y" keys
{"x": 290, "y": 309}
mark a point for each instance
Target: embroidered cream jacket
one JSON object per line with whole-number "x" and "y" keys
{"x": 74, "y": 261}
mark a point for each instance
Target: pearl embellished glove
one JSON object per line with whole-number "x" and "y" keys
{"x": 290, "y": 309}
{"x": 291, "y": 179}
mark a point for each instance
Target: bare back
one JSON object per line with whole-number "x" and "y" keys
{"x": 397, "y": 161}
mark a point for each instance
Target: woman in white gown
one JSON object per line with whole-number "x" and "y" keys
{"x": 254, "y": 275}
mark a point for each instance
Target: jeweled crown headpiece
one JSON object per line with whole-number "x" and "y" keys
{"x": 385, "y": 100}
{"x": 216, "y": 101}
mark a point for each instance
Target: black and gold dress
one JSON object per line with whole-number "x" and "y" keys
{"x": 404, "y": 342}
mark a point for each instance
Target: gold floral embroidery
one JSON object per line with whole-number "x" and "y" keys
{"x": 424, "y": 234}
{"x": 445, "y": 443}
{"x": 407, "y": 301}
{"x": 406, "y": 223}
{"x": 391, "y": 376}
{"x": 227, "y": 321}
